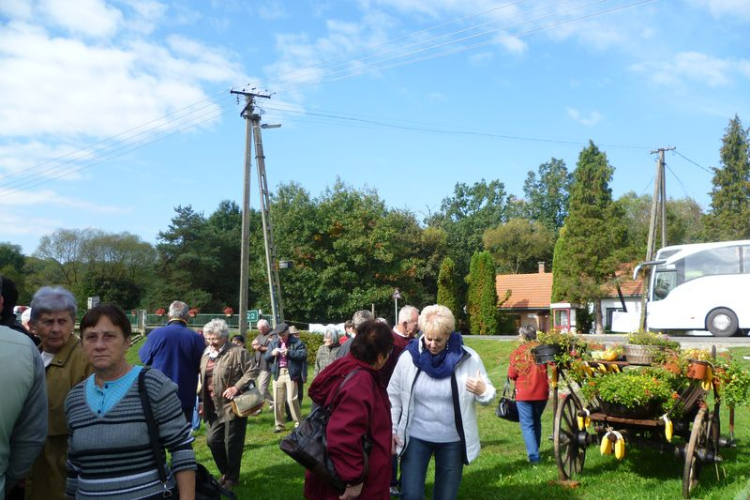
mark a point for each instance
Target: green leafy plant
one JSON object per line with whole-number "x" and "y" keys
{"x": 630, "y": 389}
{"x": 573, "y": 347}
{"x": 733, "y": 381}
{"x": 652, "y": 339}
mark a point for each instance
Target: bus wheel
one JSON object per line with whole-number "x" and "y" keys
{"x": 722, "y": 322}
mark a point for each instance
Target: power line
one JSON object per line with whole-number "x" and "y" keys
{"x": 691, "y": 161}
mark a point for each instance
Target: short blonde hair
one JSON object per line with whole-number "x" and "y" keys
{"x": 437, "y": 319}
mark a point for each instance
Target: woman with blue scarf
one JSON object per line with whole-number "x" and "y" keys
{"x": 433, "y": 392}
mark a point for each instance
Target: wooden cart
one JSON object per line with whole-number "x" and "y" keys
{"x": 696, "y": 435}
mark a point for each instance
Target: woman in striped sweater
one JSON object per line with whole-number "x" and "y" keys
{"x": 110, "y": 455}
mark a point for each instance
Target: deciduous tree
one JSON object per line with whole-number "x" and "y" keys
{"x": 519, "y": 245}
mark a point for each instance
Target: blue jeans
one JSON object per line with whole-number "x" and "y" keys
{"x": 530, "y": 417}
{"x": 449, "y": 468}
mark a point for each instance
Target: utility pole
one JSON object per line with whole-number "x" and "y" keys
{"x": 246, "y": 113}
{"x": 658, "y": 217}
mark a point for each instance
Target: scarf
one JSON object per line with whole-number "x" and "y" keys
{"x": 442, "y": 364}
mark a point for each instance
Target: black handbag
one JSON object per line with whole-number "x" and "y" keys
{"x": 506, "y": 408}
{"x": 206, "y": 486}
{"x": 307, "y": 444}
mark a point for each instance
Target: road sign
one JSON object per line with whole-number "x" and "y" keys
{"x": 252, "y": 316}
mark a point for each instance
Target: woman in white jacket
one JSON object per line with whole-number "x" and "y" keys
{"x": 433, "y": 392}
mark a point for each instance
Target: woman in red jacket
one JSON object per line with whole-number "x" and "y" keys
{"x": 360, "y": 407}
{"x": 532, "y": 391}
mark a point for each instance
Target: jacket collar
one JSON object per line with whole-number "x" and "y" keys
{"x": 62, "y": 357}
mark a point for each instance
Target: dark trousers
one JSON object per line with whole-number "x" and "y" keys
{"x": 226, "y": 440}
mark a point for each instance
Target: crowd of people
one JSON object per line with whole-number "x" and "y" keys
{"x": 75, "y": 423}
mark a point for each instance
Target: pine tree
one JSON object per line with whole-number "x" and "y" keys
{"x": 585, "y": 255}
{"x": 481, "y": 300}
{"x": 730, "y": 196}
{"x": 447, "y": 294}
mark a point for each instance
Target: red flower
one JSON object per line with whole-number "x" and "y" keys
{"x": 160, "y": 311}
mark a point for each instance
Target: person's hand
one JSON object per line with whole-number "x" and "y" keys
{"x": 231, "y": 392}
{"x": 283, "y": 351}
{"x": 200, "y": 409}
{"x": 255, "y": 344}
{"x": 476, "y": 385}
{"x": 352, "y": 492}
{"x": 276, "y": 351}
{"x": 395, "y": 443}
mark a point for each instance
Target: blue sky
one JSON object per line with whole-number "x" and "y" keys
{"x": 114, "y": 112}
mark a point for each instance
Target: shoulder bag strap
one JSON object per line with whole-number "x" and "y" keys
{"x": 153, "y": 432}
{"x": 509, "y": 392}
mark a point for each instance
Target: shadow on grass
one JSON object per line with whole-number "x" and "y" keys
{"x": 515, "y": 479}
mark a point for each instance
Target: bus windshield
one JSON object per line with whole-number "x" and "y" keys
{"x": 709, "y": 262}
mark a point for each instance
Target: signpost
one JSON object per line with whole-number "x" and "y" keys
{"x": 396, "y": 296}
{"x": 253, "y": 316}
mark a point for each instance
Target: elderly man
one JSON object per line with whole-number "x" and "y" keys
{"x": 176, "y": 351}
{"x": 53, "y": 318}
{"x": 260, "y": 346}
{"x": 23, "y": 414}
{"x": 286, "y": 356}
{"x": 358, "y": 318}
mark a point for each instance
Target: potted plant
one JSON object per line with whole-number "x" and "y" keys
{"x": 698, "y": 363}
{"x": 562, "y": 348}
{"x": 228, "y": 311}
{"x": 160, "y": 312}
{"x": 631, "y": 394}
{"x": 732, "y": 381}
{"x": 648, "y": 347}
{"x": 193, "y": 312}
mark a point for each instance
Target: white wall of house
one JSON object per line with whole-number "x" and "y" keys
{"x": 616, "y": 320}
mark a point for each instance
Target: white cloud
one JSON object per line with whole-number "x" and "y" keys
{"x": 481, "y": 58}
{"x": 93, "y": 18}
{"x": 271, "y": 10}
{"x": 148, "y": 79}
{"x": 592, "y": 119}
{"x": 19, "y": 198}
{"x": 734, "y": 9}
{"x": 694, "y": 67}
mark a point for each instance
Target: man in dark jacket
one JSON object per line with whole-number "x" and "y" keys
{"x": 176, "y": 350}
{"x": 286, "y": 356}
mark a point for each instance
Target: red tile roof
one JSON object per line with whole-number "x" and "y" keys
{"x": 528, "y": 291}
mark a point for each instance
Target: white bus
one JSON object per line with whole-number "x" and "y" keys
{"x": 703, "y": 286}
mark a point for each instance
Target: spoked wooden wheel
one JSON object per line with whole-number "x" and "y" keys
{"x": 570, "y": 442}
{"x": 699, "y": 438}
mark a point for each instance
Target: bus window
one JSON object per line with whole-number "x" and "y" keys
{"x": 664, "y": 283}
{"x": 712, "y": 262}
{"x": 745, "y": 259}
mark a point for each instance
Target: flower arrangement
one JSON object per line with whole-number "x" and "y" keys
{"x": 631, "y": 389}
{"x": 732, "y": 380}
{"x": 192, "y": 312}
{"x": 572, "y": 346}
{"x": 652, "y": 339}
{"x": 228, "y": 311}
{"x": 160, "y": 312}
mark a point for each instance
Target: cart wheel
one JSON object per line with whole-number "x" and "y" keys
{"x": 570, "y": 443}
{"x": 698, "y": 440}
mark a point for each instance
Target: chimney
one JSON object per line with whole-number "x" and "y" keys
{"x": 541, "y": 267}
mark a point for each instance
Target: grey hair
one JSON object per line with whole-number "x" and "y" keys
{"x": 263, "y": 322}
{"x": 361, "y": 316}
{"x": 527, "y": 331}
{"x": 437, "y": 319}
{"x": 332, "y": 331}
{"x": 52, "y": 299}
{"x": 178, "y": 310}
{"x": 216, "y": 327}
{"x": 406, "y": 312}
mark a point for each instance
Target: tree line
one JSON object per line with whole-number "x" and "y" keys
{"x": 350, "y": 250}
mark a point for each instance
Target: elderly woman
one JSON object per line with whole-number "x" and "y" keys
{"x": 532, "y": 392}
{"x": 433, "y": 392}
{"x": 53, "y": 318}
{"x": 359, "y": 407}
{"x": 110, "y": 453}
{"x": 327, "y": 352}
{"x": 226, "y": 371}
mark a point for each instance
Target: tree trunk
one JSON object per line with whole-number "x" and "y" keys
{"x": 598, "y": 317}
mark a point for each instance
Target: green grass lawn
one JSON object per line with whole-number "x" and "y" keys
{"x": 502, "y": 471}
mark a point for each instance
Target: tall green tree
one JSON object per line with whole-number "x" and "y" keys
{"x": 447, "y": 291}
{"x": 730, "y": 195}
{"x": 519, "y": 245}
{"x": 586, "y": 254}
{"x": 547, "y": 193}
{"x": 465, "y": 216}
{"x": 481, "y": 300}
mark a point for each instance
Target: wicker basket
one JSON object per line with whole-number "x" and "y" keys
{"x": 638, "y": 354}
